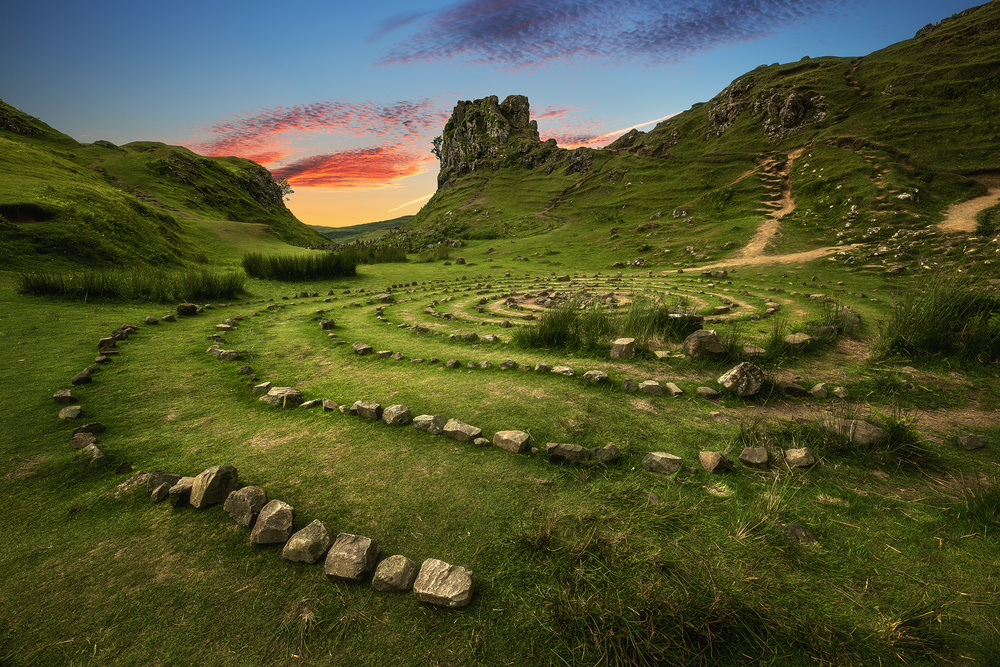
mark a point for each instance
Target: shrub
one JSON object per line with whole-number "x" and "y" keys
{"x": 988, "y": 221}
{"x": 142, "y": 284}
{"x": 950, "y": 317}
{"x": 298, "y": 267}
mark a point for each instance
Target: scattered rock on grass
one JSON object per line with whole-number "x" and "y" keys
{"x": 395, "y": 574}
{"x": 444, "y": 585}
{"x": 662, "y": 463}
{"x": 243, "y": 505}
{"x": 309, "y": 544}
{"x": 351, "y": 557}
{"x": 274, "y": 523}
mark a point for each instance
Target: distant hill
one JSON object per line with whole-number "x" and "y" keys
{"x": 880, "y": 141}
{"x": 364, "y": 231}
{"x": 62, "y": 201}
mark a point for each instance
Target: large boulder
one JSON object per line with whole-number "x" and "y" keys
{"x": 309, "y": 544}
{"x": 704, "y": 343}
{"x": 351, "y": 557}
{"x": 243, "y": 505}
{"x": 444, "y": 585}
{"x": 274, "y": 523}
{"x": 214, "y": 485}
{"x": 395, "y": 574}
{"x": 744, "y": 379}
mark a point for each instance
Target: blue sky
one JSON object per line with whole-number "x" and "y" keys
{"x": 343, "y": 98}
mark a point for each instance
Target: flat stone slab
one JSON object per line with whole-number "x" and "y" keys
{"x": 754, "y": 457}
{"x": 444, "y": 585}
{"x": 369, "y": 410}
{"x": 652, "y": 387}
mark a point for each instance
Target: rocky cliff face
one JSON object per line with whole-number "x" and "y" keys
{"x": 489, "y": 134}
{"x": 781, "y": 111}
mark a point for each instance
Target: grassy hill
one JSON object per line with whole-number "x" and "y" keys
{"x": 67, "y": 203}
{"x": 363, "y": 232}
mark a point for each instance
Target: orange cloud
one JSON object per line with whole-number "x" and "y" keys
{"x": 358, "y": 168}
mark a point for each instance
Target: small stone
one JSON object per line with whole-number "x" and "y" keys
{"x": 96, "y": 428}
{"x": 707, "y": 392}
{"x": 542, "y": 368}
{"x": 662, "y": 463}
{"x": 369, "y": 410}
{"x": 516, "y": 442}
{"x": 714, "y": 462}
{"x": 274, "y": 523}
{"x": 180, "y": 492}
{"x": 262, "y": 388}
{"x": 314, "y": 403}
{"x": 351, "y": 557}
{"x": 158, "y": 478}
{"x": 81, "y": 440}
{"x": 800, "y": 534}
{"x": 971, "y": 442}
{"x": 607, "y": 454}
{"x": 329, "y": 406}
{"x": 151, "y": 320}
{"x": 674, "y": 390}
{"x": 819, "y": 390}
{"x": 395, "y": 574}
{"x": 243, "y": 505}
{"x": 93, "y": 451}
{"x": 71, "y": 412}
{"x": 563, "y": 370}
{"x": 433, "y": 424}
{"x": 801, "y": 457}
{"x": 857, "y": 431}
{"x": 791, "y": 388}
{"x": 798, "y": 339}
{"x": 309, "y": 544}
{"x": 161, "y": 493}
{"x": 651, "y": 387}
{"x": 704, "y": 343}
{"x": 629, "y": 386}
{"x": 596, "y": 377}
{"x": 461, "y": 431}
{"x": 214, "y": 485}
{"x": 841, "y": 393}
{"x": 453, "y": 363}
{"x": 754, "y": 457}
{"x": 283, "y": 397}
{"x": 560, "y": 452}
{"x": 83, "y": 377}
{"x": 169, "y": 318}
{"x": 745, "y": 379}
{"x": 65, "y": 396}
{"x": 362, "y": 349}
{"x": 481, "y": 442}
{"x": 444, "y": 585}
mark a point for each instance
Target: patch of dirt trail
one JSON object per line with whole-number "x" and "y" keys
{"x": 962, "y": 217}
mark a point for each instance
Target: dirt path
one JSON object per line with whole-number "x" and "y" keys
{"x": 767, "y": 230}
{"x": 962, "y": 217}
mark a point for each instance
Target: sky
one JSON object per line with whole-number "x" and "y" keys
{"x": 343, "y": 99}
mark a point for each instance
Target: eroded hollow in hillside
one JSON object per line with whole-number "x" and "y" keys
{"x": 26, "y": 213}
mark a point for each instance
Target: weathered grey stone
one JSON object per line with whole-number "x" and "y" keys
{"x": 798, "y": 339}
{"x": 309, "y": 544}
{"x": 461, "y": 431}
{"x": 397, "y": 415}
{"x": 819, "y": 390}
{"x": 369, "y": 410}
{"x": 160, "y": 493}
{"x": 755, "y": 457}
{"x": 596, "y": 377}
{"x": 629, "y": 385}
{"x": 351, "y": 557}
{"x": 754, "y": 350}
{"x": 799, "y": 533}
{"x": 362, "y": 348}
{"x": 563, "y": 370}
{"x": 180, "y": 492}
{"x": 744, "y": 379}
{"x": 65, "y": 396}
{"x": 214, "y": 485}
{"x": 714, "y": 462}
{"x": 81, "y": 440}
{"x": 561, "y": 452}
{"x": 623, "y": 348}
{"x": 481, "y": 442}
{"x": 262, "y": 388}
{"x": 93, "y": 451}
{"x": 283, "y": 397}
{"x": 453, "y": 363}
{"x": 651, "y": 387}
{"x": 169, "y": 318}
{"x": 327, "y": 324}
{"x": 433, "y": 424}
{"x": 801, "y": 457}
{"x": 444, "y": 585}
{"x": 151, "y": 320}
{"x": 971, "y": 441}
{"x": 395, "y": 574}
{"x": 243, "y": 505}
{"x": 674, "y": 390}
{"x": 508, "y": 364}
{"x": 542, "y": 368}
{"x": 397, "y": 356}
{"x": 158, "y": 478}
{"x": 313, "y": 403}
{"x": 230, "y": 355}
{"x": 186, "y": 309}
{"x": 96, "y": 428}
{"x": 707, "y": 392}
{"x": 858, "y": 432}
{"x": 274, "y": 523}
{"x": 703, "y": 343}
{"x": 791, "y": 388}
{"x": 71, "y": 412}
{"x": 662, "y": 463}
{"x": 607, "y": 454}
{"x": 841, "y": 393}
{"x": 329, "y": 406}
{"x": 513, "y": 441}
{"x": 486, "y": 364}
{"x": 83, "y": 377}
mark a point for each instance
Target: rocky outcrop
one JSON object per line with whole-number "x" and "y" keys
{"x": 781, "y": 112}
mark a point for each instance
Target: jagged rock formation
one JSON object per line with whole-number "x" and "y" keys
{"x": 489, "y": 134}
{"x": 782, "y": 111}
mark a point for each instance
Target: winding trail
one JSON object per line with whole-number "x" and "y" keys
{"x": 962, "y": 217}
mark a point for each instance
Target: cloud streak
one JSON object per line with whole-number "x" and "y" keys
{"x": 357, "y": 168}
{"x": 518, "y": 34}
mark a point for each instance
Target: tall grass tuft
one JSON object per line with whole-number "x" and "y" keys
{"x": 954, "y": 317}
{"x": 435, "y": 253}
{"x": 373, "y": 254}
{"x": 299, "y": 267}
{"x": 140, "y": 284}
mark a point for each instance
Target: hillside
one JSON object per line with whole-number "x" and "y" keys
{"x": 65, "y": 202}
{"x": 364, "y": 231}
{"x": 887, "y": 140}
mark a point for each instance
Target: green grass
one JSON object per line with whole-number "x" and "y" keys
{"x": 142, "y": 284}
{"x": 288, "y": 268}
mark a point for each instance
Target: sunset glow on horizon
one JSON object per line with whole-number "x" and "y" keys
{"x": 348, "y": 120}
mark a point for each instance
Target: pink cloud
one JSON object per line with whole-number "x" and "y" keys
{"x": 357, "y": 168}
